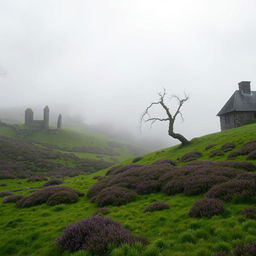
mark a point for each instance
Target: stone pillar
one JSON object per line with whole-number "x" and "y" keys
{"x": 46, "y": 117}
{"x": 59, "y": 122}
{"x": 29, "y": 116}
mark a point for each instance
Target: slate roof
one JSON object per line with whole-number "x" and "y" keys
{"x": 240, "y": 102}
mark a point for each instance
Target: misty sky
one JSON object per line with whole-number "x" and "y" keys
{"x": 107, "y": 59}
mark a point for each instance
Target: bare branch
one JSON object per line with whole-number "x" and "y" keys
{"x": 181, "y": 101}
{"x": 171, "y": 118}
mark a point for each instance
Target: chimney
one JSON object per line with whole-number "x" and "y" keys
{"x": 245, "y": 87}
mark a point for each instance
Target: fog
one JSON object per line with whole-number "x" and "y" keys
{"x": 106, "y": 60}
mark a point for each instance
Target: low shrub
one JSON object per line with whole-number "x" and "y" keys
{"x": 228, "y": 146}
{"x": 5, "y": 193}
{"x": 139, "y": 180}
{"x": 243, "y": 165}
{"x": 95, "y": 234}
{"x": 62, "y": 197}
{"x": 247, "y": 166}
{"x": 210, "y": 146}
{"x": 252, "y": 155}
{"x": 147, "y": 187}
{"x": 137, "y": 159}
{"x": 245, "y": 250}
{"x": 115, "y": 196}
{"x": 246, "y": 149}
{"x": 233, "y": 189}
{"x": 122, "y": 168}
{"x": 174, "y": 186}
{"x": 166, "y": 161}
{"x": 216, "y": 152}
{"x": 249, "y": 213}
{"x": 12, "y": 198}
{"x": 206, "y": 208}
{"x": 101, "y": 212}
{"x": 191, "y": 156}
{"x": 197, "y": 177}
{"x": 157, "y": 206}
{"x": 53, "y": 183}
{"x": 98, "y": 177}
{"x": 37, "y": 178}
{"x": 201, "y": 184}
{"x": 41, "y": 196}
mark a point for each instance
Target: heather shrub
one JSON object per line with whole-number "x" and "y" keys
{"x": 101, "y": 211}
{"x": 206, "y": 208}
{"x": 174, "y": 186}
{"x": 12, "y": 198}
{"x": 137, "y": 159}
{"x": 53, "y": 182}
{"x": 216, "y": 152}
{"x": 249, "y": 213}
{"x": 96, "y": 188}
{"x": 141, "y": 180}
{"x": 196, "y": 178}
{"x": 5, "y": 193}
{"x": 191, "y": 156}
{"x": 247, "y": 166}
{"x": 37, "y": 178}
{"x": 115, "y": 196}
{"x": 245, "y": 250}
{"x": 210, "y": 146}
{"x": 234, "y": 154}
{"x": 233, "y": 189}
{"x": 157, "y": 206}
{"x": 222, "y": 253}
{"x": 98, "y": 177}
{"x": 147, "y": 187}
{"x": 248, "y": 147}
{"x": 95, "y": 234}
{"x": 252, "y": 155}
{"x": 120, "y": 169}
{"x": 228, "y": 146}
{"x": 41, "y": 196}
{"x": 62, "y": 197}
{"x": 166, "y": 161}
{"x": 200, "y": 184}
{"x": 244, "y": 150}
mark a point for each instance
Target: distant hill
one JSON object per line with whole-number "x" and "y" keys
{"x": 66, "y": 152}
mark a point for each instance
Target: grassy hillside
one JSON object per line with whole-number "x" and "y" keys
{"x": 238, "y": 136}
{"x": 80, "y": 140}
{"x": 32, "y": 231}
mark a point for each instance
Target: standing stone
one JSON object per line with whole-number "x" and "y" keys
{"x": 29, "y": 116}
{"x": 46, "y": 117}
{"x": 59, "y": 122}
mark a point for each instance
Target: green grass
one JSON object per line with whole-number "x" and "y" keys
{"x": 238, "y": 135}
{"x": 77, "y": 136}
{"x": 171, "y": 232}
{"x": 6, "y": 131}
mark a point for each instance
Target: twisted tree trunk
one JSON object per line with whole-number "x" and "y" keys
{"x": 170, "y": 118}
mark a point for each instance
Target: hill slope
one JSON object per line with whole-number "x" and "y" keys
{"x": 32, "y": 231}
{"x": 80, "y": 140}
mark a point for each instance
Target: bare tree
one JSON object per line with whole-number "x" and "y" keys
{"x": 170, "y": 117}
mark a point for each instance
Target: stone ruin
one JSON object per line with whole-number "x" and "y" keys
{"x": 40, "y": 124}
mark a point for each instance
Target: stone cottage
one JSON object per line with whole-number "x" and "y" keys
{"x": 240, "y": 109}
